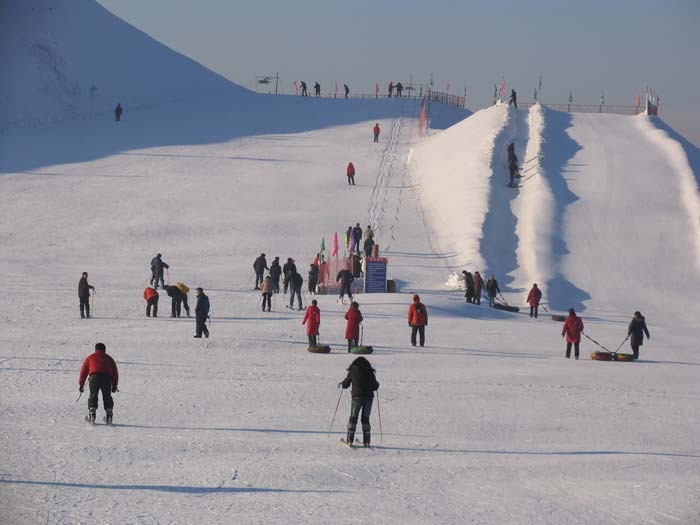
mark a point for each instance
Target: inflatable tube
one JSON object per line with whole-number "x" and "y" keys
{"x": 624, "y": 357}
{"x": 602, "y": 356}
{"x": 362, "y": 350}
{"x": 323, "y": 349}
{"x": 506, "y": 307}
{"x": 560, "y": 318}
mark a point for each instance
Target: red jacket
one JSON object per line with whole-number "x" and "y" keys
{"x": 354, "y": 317}
{"x": 533, "y": 298}
{"x": 99, "y": 362}
{"x": 313, "y": 316}
{"x": 417, "y": 313}
{"x": 573, "y": 326}
{"x": 149, "y": 293}
{"x": 351, "y": 169}
{"x": 376, "y": 130}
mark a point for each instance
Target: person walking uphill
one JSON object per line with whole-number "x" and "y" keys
{"x": 478, "y": 287}
{"x": 533, "y": 299}
{"x": 468, "y": 286}
{"x": 513, "y": 99}
{"x": 158, "y": 265}
{"x": 118, "y": 112}
{"x": 572, "y": 330}
{"x": 84, "y": 295}
{"x": 352, "y": 329}
{"x": 350, "y": 171}
{"x": 100, "y": 370}
{"x": 417, "y": 320}
{"x": 312, "y": 320}
{"x": 636, "y": 331}
{"x": 492, "y": 289}
{"x": 376, "y": 132}
{"x": 260, "y": 265}
{"x": 266, "y": 290}
{"x": 201, "y": 314}
{"x": 151, "y": 297}
{"x": 364, "y": 383}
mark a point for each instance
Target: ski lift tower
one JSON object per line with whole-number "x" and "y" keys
{"x": 267, "y": 80}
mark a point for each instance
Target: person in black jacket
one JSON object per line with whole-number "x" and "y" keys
{"x": 288, "y": 269}
{"x": 176, "y": 295}
{"x": 260, "y": 265}
{"x": 84, "y": 296}
{"x": 345, "y": 278}
{"x": 317, "y": 89}
{"x": 636, "y": 331}
{"x": 275, "y": 272}
{"x": 492, "y": 289}
{"x": 304, "y": 93}
{"x": 296, "y": 281}
{"x": 313, "y": 278}
{"x": 468, "y": 286}
{"x": 362, "y": 377}
{"x": 513, "y": 99}
{"x": 157, "y": 267}
{"x": 357, "y": 233}
{"x": 369, "y": 246}
{"x": 118, "y": 112}
{"x": 201, "y": 313}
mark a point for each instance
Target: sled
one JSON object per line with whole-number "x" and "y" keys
{"x": 362, "y": 350}
{"x": 513, "y": 185}
{"x": 560, "y": 318}
{"x": 624, "y": 357}
{"x": 602, "y": 356}
{"x": 506, "y": 307}
{"x": 321, "y": 349}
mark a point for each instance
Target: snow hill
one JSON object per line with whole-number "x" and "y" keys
{"x": 486, "y": 424}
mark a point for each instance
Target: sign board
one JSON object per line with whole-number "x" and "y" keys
{"x": 375, "y": 274}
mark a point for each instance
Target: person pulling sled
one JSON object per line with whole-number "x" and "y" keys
{"x": 364, "y": 383}
{"x": 635, "y": 331}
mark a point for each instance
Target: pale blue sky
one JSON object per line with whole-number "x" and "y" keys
{"x": 588, "y": 46}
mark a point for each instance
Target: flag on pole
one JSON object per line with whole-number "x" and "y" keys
{"x": 539, "y": 86}
{"x": 639, "y": 100}
{"x": 296, "y": 87}
{"x": 421, "y": 118}
{"x": 336, "y": 87}
{"x": 571, "y": 97}
{"x": 447, "y": 86}
{"x": 323, "y": 246}
{"x": 602, "y": 97}
{"x": 535, "y": 94}
{"x": 431, "y": 80}
{"x": 376, "y": 89}
{"x": 334, "y": 248}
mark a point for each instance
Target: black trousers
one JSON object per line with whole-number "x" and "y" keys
{"x": 568, "y": 350}
{"x": 513, "y": 102}
{"x": 418, "y": 330}
{"x": 275, "y": 284}
{"x": 152, "y": 303}
{"x": 259, "y": 277}
{"x": 312, "y": 286}
{"x": 185, "y": 305}
{"x": 533, "y": 310}
{"x": 376, "y": 138}
{"x": 635, "y": 350}
{"x": 176, "y": 307}
{"x": 352, "y": 343}
{"x": 312, "y": 340}
{"x": 85, "y": 306}
{"x": 365, "y": 405}
{"x": 351, "y": 180}
{"x": 202, "y": 326}
{"x": 266, "y": 298}
{"x": 469, "y": 295}
{"x": 345, "y": 288}
{"x": 101, "y": 382}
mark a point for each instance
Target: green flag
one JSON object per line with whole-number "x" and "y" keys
{"x": 323, "y": 246}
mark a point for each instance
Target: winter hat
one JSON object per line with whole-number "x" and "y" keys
{"x": 100, "y": 346}
{"x": 571, "y": 311}
{"x": 199, "y": 289}
{"x": 314, "y": 302}
{"x": 416, "y": 297}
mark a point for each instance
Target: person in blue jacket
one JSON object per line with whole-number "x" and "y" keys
{"x": 201, "y": 313}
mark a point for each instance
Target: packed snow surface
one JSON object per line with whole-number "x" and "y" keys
{"x": 486, "y": 424}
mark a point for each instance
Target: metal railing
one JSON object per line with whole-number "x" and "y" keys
{"x": 588, "y": 108}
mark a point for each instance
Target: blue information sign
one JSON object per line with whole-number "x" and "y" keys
{"x": 375, "y": 274}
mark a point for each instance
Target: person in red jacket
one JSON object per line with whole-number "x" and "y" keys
{"x": 376, "y": 132}
{"x": 101, "y": 372}
{"x": 313, "y": 316}
{"x": 351, "y": 173}
{"x": 533, "y": 299}
{"x": 352, "y": 330}
{"x": 151, "y": 296}
{"x": 417, "y": 320}
{"x": 572, "y": 330}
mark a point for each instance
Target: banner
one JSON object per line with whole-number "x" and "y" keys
{"x": 375, "y": 274}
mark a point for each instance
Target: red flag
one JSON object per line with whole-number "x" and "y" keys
{"x": 336, "y": 87}
{"x": 447, "y": 86}
{"x": 296, "y": 86}
{"x": 376, "y": 88}
{"x": 421, "y": 119}
{"x": 639, "y": 100}
{"x": 334, "y": 248}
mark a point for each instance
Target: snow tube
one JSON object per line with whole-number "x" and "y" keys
{"x": 322, "y": 349}
{"x": 602, "y": 356}
{"x": 362, "y": 350}
{"x": 506, "y": 307}
{"x": 560, "y": 318}
{"x": 624, "y": 357}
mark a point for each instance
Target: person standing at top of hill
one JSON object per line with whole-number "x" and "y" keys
{"x": 317, "y": 89}
{"x": 260, "y": 265}
{"x": 636, "y": 330}
{"x": 572, "y": 330}
{"x": 492, "y": 289}
{"x": 312, "y": 320}
{"x": 84, "y": 295}
{"x": 118, "y": 112}
{"x": 304, "y": 92}
{"x": 478, "y": 287}
{"x": 376, "y": 131}
{"x": 533, "y": 299}
{"x": 391, "y": 88}
{"x": 347, "y": 90}
{"x": 350, "y": 171}
{"x": 417, "y": 320}
{"x": 158, "y": 265}
{"x": 513, "y": 99}
{"x": 399, "y": 89}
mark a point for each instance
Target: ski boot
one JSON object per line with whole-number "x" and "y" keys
{"x": 351, "y": 437}
{"x": 92, "y": 414}
{"x": 365, "y": 439}
{"x": 108, "y": 416}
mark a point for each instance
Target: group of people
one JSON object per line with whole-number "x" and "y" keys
{"x": 270, "y": 285}
{"x": 317, "y": 89}
{"x": 399, "y": 89}
{"x": 474, "y": 286}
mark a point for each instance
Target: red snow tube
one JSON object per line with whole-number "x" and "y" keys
{"x": 362, "y": 350}
{"x": 624, "y": 357}
{"x": 602, "y": 356}
{"x": 323, "y": 349}
{"x": 560, "y": 318}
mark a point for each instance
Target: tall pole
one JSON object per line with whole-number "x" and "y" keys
{"x": 277, "y": 79}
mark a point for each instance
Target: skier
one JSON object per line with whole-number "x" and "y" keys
{"x": 478, "y": 286}
{"x": 492, "y": 289}
{"x": 350, "y": 170}
{"x": 357, "y": 233}
{"x": 513, "y": 99}
{"x": 399, "y": 89}
{"x": 636, "y": 331}
{"x": 304, "y": 93}
{"x": 391, "y": 88}
{"x": 376, "y": 132}
{"x": 362, "y": 377}
{"x": 572, "y": 329}
{"x": 352, "y": 329}
{"x": 417, "y": 320}
{"x": 369, "y": 246}
{"x": 288, "y": 269}
{"x": 201, "y": 313}
{"x": 260, "y": 265}
{"x": 184, "y": 294}
{"x": 176, "y": 295}
{"x": 313, "y": 316}
{"x": 275, "y": 272}
{"x": 511, "y": 150}
{"x": 84, "y": 296}
{"x": 151, "y": 297}
{"x": 313, "y": 278}
{"x": 347, "y": 90}
{"x": 157, "y": 266}
{"x": 468, "y": 286}
{"x": 345, "y": 278}
{"x": 101, "y": 372}
{"x": 296, "y": 281}
{"x": 533, "y": 299}
{"x": 513, "y": 169}
{"x": 266, "y": 289}
{"x": 317, "y": 89}
{"x": 118, "y": 112}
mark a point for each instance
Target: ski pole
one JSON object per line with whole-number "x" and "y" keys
{"x": 79, "y": 396}
{"x": 544, "y": 307}
{"x": 336, "y": 412}
{"x": 379, "y": 412}
{"x": 622, "y": 343}
{"x": 362, "y": 333}
{"x": 596, "y": 342}
{"x": 503, "y": 298}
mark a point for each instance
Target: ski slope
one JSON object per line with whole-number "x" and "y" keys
{"x": 486, "y": 424}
